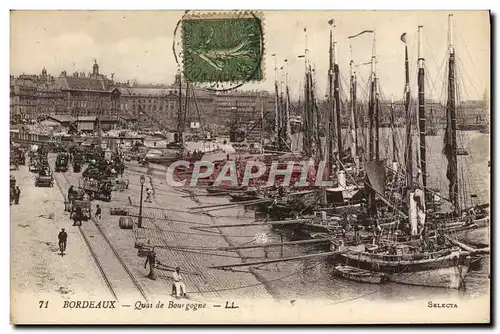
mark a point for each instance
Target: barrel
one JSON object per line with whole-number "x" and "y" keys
{"x": 140, "y": 241}
{"x": 126, "y": 223}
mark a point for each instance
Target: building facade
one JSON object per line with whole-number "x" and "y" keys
{"x": 34, "y": 97}
{"x": 92, "y": 94}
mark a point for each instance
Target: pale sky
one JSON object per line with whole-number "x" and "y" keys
{"x": 138, "y": 45}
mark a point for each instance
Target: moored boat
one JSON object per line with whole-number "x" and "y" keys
{"x": 359, "y": 275}
{"x": 445, "y": 268}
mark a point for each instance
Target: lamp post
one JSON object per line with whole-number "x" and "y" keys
{"x": 143, "y": 179}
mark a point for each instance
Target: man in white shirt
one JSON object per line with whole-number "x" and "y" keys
{"x": 178, "y": 283}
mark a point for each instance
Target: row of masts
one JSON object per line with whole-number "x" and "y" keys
{"x": 333, "y": 150}
{"x": 332, "y": 153}
{"x": 282, "y": 128}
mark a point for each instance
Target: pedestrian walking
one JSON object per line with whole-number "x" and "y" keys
{"x": 71, "y": 190}
{"x": 17, "y": 194}
{"x": 63, "y": 237}
{"x": 98, "y": 212}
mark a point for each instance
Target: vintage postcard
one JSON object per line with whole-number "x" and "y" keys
{"x": 250, "y": 167}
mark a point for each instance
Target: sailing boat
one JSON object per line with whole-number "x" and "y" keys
{"x": 406, "y": 262}
{"x": 281, "y": 141}
{"x": 346, "y": 162}
{"x": 472, "y": 218}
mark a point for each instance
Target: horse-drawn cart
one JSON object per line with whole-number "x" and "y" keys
{"x": 44, "y": 178}
{"x": 121, "y": 184}
{"x": 34, "y": 164}
{"x": 62, "y": 162}
{"x": 98, "y": 189}
{"x": 82, "y": 207}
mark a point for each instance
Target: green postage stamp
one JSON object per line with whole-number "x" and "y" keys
{"x": 224, "y": 47}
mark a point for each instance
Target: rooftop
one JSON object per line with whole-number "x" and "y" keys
{"x": 87, "y": 118}
{"x": 63, "y": 118}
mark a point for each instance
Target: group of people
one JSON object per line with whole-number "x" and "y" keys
{"x": 178, "y": 285}
{"x": 149, "y": 194}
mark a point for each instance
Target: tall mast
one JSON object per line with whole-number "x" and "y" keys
{"x": 450, "y": 147}
{"x": 180, "y": 129}
{"x": 373, "y": 131}
{"x": 354, "y": 125}
{"x": 307, "y": 118}
{"x": 317, "y": 122}
{"x": 280, "y": 113}
{"x": 421, "y": 109}
{"x": 336, "y": 115}
{"x": 261, "y": 124}
{"x": 307, "y": 133}
{"x": 377, "y": 100}
{"x": 186, "y": 107}
{"x": 276, "y": 101}
{"x": 377, "y": 126}
{"x": 394, "y": 139}
{"x": 282, "y": 118}
{"x": 331, "y": 105}
{"x": 288, "y": 129}
{"x": 408, "y": 150}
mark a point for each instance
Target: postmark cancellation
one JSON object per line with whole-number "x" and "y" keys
{"x": 223, "y": 47}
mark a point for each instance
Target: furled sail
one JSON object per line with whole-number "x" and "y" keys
{"x": 417, "y": 210}
{"x": 450, "y": 136}
{"x": 375, "y": 173}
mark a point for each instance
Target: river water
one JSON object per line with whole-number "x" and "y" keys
{"x": 473, "y": 170}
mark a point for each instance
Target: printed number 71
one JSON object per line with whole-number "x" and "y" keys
{"x": 43, "y": 304}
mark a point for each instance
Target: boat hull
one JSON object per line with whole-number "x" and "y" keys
{"x": 448, "y": 277}
{"x": 477, "y": 233}
{"x": 477, "y": 236}
{"x": 445, "y": 271}
{"x": 356, "y": 274}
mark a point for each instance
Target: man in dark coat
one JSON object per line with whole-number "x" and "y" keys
{"x": 63, "y": 237}
{"x": 98, "y": 212}
{"x": 70, "y": 192}
{"x": 151, "y": 259}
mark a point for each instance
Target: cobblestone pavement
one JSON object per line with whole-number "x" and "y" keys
{"x": 38, "y": 271}
{"x": 119, "y": 282}
{"x": 282, "y": 280}
{"x": 167, "y": 224}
